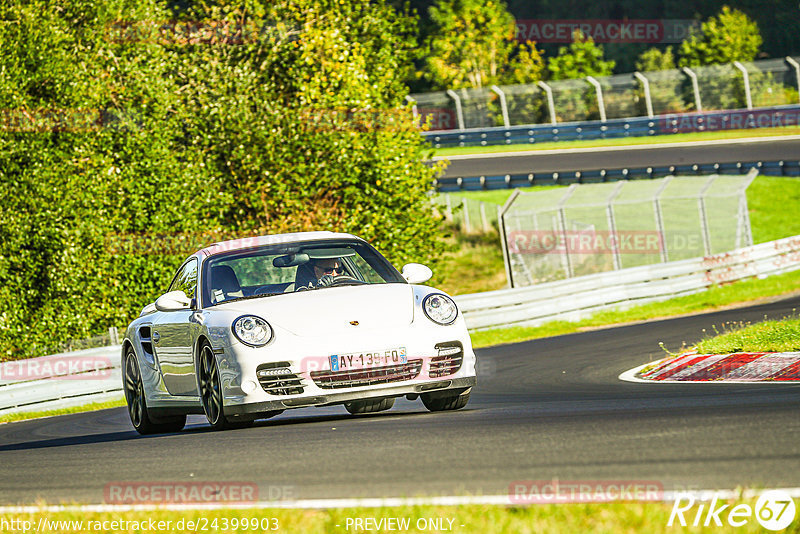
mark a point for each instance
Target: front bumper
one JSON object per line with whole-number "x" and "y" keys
{"x": 389, "y": 390}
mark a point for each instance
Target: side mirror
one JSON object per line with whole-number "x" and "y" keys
{"x": 173, "y": 301}
{"x": 416, "y": 273}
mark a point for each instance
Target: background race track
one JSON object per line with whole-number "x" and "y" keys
{"x": 547, "y": 408}
{"x": 621, "y": 157}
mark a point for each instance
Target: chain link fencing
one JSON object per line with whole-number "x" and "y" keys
{"x": 591, "y": 228}
{"x": 764, "y": 83}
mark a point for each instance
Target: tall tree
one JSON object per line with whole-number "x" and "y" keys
{"x": 729, "y": 36}
{"x": 580, "y": 59}
{"x": 472, "y": 45}
{"x": 654, "y": 59}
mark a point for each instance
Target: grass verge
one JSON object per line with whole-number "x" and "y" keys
{"x": 474, "y": 264}
{"x": 622, "y": 141}
{"x": 9, "y": 418}
{"x": 766, "y": 336}
{"x": 716, "y": 297}
{"x": 483, "y": 519}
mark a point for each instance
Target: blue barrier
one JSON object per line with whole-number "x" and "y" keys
{"x": 617, "y": 128}
{"x": 510, "y": 181}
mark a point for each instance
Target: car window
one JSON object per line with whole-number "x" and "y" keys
{"x": 368, "y": 273}
{"x": 285, "y": 268}
{"x": 258, "y": 270}
{"x": 186, "y": 279}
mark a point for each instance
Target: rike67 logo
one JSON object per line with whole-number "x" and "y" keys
{"x": 774, "y": 510}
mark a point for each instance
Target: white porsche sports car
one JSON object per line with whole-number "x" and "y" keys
{"x": 251, "y": 327}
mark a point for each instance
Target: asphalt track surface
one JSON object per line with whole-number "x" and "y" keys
{"x": 622, "y": 157}
{"x": 550, "y": 408}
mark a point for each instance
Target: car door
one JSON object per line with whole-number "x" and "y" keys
{"x": 174, "y": 333}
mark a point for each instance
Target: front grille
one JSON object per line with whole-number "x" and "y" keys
{"x": 278, "y": 379}
{"x": 367, "y": 377}
{"x": 448, "y": 361}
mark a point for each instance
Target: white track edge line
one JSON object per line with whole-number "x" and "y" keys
{"x": 498, "y": 500}
{"x": 656, "y": 146}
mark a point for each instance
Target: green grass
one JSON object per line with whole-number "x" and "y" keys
{"x": 713, "y": 299}
{"x": 495, "y": 196}
{"x": 624, "y": 141}
{"x": 9, "y": 418}
{"x": 567, "y": 518}
{"x": 474, "y": 264}
{"x": 766, "y": 336}
{"x": 772, "y": 202}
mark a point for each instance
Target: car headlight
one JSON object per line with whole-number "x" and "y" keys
{"x": 440, "y": 308}
{"x": 252, "y": 330}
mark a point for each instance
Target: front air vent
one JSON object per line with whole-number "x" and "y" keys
{"x": 367, "y": 377}
{"x": 448, "y": 359}
{"x": 147, "y": 342}
{"x": 277, "y": 378}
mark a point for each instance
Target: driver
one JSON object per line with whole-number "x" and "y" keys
{"x": 327, "y": 269}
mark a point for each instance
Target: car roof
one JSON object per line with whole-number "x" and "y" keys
{"x": 274, "y": 239}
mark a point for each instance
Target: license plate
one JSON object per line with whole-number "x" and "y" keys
{"x": 368, "y": 360}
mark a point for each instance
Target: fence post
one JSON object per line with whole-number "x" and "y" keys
{"x": 459, "y": 112}
{"x": 648, "y": 101}
{"x": 501, "y": 214}
{"x": 794, "y": 64}
{"x": 701, "y": 204}
{"x": 484, "y": 219}
{"x": 113, "y": 335}
{"x": 695, "y": 87}
{"x": 746, "y": 79}
{"x": 748, "y": 234}
{"x": 599, "y": 90}
{"x": 448, "y": 208}
{"x": 503, "y": 106}
{"x": 551, "y": 106}
{"x": 413, "y": 107}
{"x": 562, "y": 223}
{"x": 660, "y": 218}
{"x": 465, "y": 209}
{"x": 612, "y": 224}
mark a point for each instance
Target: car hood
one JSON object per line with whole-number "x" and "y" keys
{"x": 320, "y": 311}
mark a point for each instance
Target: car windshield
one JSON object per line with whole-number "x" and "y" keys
{"x": 286, "y": 268}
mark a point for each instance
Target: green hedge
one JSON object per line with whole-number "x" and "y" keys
{"x": 127, "y": 143}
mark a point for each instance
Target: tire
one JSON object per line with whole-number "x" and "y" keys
{"x": 210, "y": 388}
{"x": 142, "y": 421}
{"x": 369, "y": 405}
{"x": 447, "y": 402}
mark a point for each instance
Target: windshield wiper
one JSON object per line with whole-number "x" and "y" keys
{"x": 247, "y": 297}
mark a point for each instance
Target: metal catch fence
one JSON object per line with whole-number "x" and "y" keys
{"x": 765, "y": 83}
{"x": 591, "y": 228}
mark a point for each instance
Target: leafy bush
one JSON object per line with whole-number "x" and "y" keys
{"x": 129, "y": 142}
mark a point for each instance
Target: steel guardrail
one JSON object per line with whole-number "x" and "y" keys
{"x": 61, "y": 380}
{"x": 766, "y": 117}
{"x": 578, "y": 297}
{"x": 453, "y": 184}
